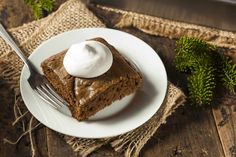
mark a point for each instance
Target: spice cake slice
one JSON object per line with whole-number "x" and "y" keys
{"x": 87, "y": 96}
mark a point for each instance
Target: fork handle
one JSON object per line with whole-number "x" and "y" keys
{"x": 13, "y": 45}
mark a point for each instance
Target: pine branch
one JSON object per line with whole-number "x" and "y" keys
{"x": 201, "y": 85}
{"x": 191, "y": 53}
{"x": 204, "y": 64}
{"x": 227, "y": 73}
{"x": 40, "y": 7}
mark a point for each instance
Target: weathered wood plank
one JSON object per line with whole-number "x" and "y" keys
{"x": 14, "y": 13}
{"x": 105, "y": 151}
{"x": 41, "y": 144}
{"x": 57, "y": 147}
{"x": 187, "y": 133}
{"x": 56, "y": 143}
{"x": 225, "y": 118}
{"x": 6, "y": 129}
{"x": 13, "y": 132}
{"x": 6, "y": 119}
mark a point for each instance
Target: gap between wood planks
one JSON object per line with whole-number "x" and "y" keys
{"x": 225, "y": 121}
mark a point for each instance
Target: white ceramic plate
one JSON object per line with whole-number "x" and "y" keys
{"x": 123, "y": 115}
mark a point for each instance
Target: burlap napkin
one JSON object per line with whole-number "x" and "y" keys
{"x": 173, "y": 29}
{"x": 72, "y": 15}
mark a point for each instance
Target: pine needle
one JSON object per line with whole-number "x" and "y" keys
{"x": 227, "y": 73}
{"x": 40, "y": 7}
{"x": 204, "y": 65}
{"x": 201, "y": 85}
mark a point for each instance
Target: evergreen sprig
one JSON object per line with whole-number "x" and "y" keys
{"x": 40, "y": 7}
{"x": 204, "y": 64}
{"x": 227, "y": 73}
{"x": 201, "y": 85}
{"x": 192, "y": 52}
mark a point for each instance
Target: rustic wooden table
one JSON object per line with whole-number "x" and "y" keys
{"x": 188, "y": 133}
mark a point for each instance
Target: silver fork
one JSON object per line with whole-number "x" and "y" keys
{"x": 37, "y": 81}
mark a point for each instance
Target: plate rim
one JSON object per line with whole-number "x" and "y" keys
{"x": 95, "y": 28}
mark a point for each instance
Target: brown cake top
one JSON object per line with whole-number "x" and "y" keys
{"x": 86, "y": 89}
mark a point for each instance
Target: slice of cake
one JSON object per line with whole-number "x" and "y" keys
{"x": 87, "y": 96}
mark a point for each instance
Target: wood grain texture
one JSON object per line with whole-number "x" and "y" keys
{"x": 187, "y": 133}
{"x": 57, "y": 147}
{"x": 14, "y": 13}
{"x": 225, "y": 118}
{"x": 6, "y": 119}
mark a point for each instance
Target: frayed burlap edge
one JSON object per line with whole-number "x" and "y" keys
{"x": 29, "y": 36}
{"x": 73, "y": 14}
{"x": 173, "y": 29}
{"x": 132, "y": 142}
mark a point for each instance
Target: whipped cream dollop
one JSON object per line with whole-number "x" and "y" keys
{"x": 88, "y": 59}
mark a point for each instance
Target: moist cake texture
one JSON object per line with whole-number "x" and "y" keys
{"x": 87, "y": 96}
